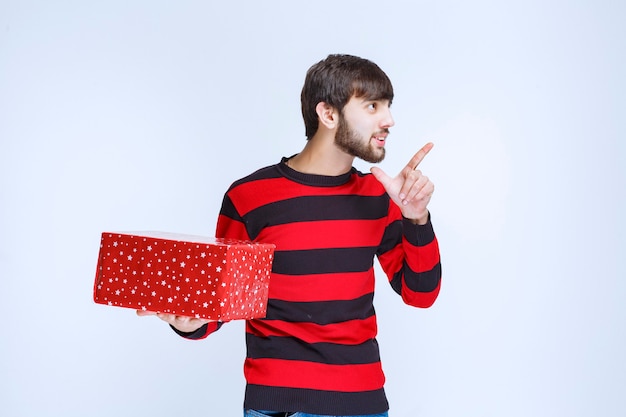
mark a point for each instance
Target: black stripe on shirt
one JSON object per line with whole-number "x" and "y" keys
{"x": 228, "y": 209}
{"x": 391, "y": 238}
{"x": 312, "y": 208}
{"x": 426, "y": 281}
{"x": 290, "y": 348}
{"x": 266, "y": 173}
{"x": 321, "y": 312}
{"x": 323, "y": 261}
{"x": 260, "y": 397}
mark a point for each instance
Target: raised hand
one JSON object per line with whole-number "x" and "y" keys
{"x": 410, "y": 190}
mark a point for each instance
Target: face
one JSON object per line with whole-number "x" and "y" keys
{"x": 363, "y": 128}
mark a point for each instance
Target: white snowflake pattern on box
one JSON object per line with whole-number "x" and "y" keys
{"x": 186, "y": 275}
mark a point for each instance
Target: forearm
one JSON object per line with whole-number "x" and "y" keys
{"x": 421, "y": 276}
{"x": 413, "y": 263}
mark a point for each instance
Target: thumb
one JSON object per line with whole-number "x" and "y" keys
{"x": 381, "y": 176}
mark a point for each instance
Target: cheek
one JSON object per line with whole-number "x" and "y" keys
{"x": 361, "y": 127}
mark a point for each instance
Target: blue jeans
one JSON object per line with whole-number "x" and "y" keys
{"x": 255, "y": 413}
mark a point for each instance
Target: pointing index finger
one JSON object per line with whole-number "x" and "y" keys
{"x": 419, "y": 156}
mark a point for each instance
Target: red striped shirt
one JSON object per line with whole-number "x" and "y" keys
{"x": 316, "y": 350}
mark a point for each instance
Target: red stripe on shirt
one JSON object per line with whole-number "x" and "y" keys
{"x": 324, "y": 234}
{"x": 352, "y": 332}
{"x": 232, "y": 229}
{"x": 322, "y": 287}
{"x": 310, "y": 375}
{"x": 284, "y": 189}
{"x": 420, "y": 299}
{"x": 426, "y": 257}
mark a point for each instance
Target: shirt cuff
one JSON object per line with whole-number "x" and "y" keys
{"x": 416, "y": 234}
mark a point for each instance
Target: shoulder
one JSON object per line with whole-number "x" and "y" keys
{"x": 268, "y": 172}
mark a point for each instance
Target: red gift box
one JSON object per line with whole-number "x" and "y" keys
{"x": 185, "y": 275}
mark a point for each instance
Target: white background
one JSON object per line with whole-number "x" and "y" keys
{"x": 137, "y": 115}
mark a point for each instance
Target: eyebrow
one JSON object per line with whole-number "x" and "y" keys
{"x": 382, "y": 100}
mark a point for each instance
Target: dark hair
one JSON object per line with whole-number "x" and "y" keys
{"x": 338, "y": 78}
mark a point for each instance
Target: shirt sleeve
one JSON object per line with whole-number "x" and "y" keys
{"x": 410, "y": 257}
{"x": 201, "y": 333}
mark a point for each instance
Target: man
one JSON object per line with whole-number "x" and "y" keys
{"x": 315, "y": 353}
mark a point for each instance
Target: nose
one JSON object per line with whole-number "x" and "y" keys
{"x": 387, "y": 120}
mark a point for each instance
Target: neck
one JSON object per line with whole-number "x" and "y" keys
{"x": 321, "y": 156}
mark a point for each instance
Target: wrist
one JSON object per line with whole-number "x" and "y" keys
{"x": 421, "y": 220}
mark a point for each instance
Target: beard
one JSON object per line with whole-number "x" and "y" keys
{"x": 356, "y": 145}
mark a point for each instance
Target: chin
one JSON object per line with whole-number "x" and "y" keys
{"x": 371, "y": 158}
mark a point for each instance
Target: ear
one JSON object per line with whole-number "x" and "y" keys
{"x": 327, "y": 115}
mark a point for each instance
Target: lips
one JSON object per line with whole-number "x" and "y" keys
{"x": 381, "y": 136}
{"x": 380, "y": 139}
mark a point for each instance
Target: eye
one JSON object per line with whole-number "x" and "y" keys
{"x": 372, "y": 106}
